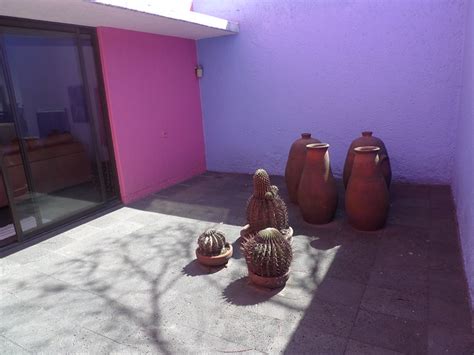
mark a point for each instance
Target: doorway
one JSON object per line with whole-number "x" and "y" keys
{"x": 55, "y": 157}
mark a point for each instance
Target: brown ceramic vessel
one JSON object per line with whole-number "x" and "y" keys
{"x": 317, "y": 191}
{"x": 367, "y": 196}
{"x": 217, "y": 260}
{"x": 367, "y": 139}
{"x": 295, "y": 164}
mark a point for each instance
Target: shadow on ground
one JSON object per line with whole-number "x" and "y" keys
{"x": 374, "y": 293}
{"x": 129, "y": 279}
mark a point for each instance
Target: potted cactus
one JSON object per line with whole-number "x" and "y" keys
{"x": 268, "y": 255}
{"x": 265, "y": 208}
{"x": 213, "y": 250}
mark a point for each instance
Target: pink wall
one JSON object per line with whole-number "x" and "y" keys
{"x": 154, "y": 107}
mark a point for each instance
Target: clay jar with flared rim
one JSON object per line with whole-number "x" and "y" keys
{"x": 367, "y": 196}
{"x": 368, "y": 139}
{"x": 317, "y": 191}
{"x": 295, "y": 164}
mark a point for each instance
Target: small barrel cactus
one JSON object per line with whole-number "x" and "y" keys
{"x": 268, "y": 253}
{"x": 265, "y": 208}
{"x": 211, "y": 243}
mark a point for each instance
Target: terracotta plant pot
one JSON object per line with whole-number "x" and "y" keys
{"x": 317, "y": 191}
{"x": 295, "y": 164}
{"x": 269, "y": 282}
{"x": 268, "y": 256}
{"x": 368, "y": 139}
{"x": 217, "y": 260}
{"x": 367, "y": 196}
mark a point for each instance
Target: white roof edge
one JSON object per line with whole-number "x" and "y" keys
{"x": 191, "y": 17}
{"x": 159, "y": 19}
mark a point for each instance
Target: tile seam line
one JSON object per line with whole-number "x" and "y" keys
{"x": 372, "y": 344}
{"x": 392, "y": 315}
{"x": 361, "y": 299}
{"x": 13, "y": 342}
{"x": 111, "y": 339}
{"x": 426, "y": 324}
{"x": 95, "y": 294}
{"x": 359, "y": 307}
{"x": 463, "y": 260}
{"x": 227, "y": 340}
{"x": 102, "y": 297}
{"x": 350, "y": 337}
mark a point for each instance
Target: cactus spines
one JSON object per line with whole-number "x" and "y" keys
{"x": 268, "y": 253}
{"x": 211, "y": 243}
{"x": 265, "y": 208}
{"x": 261, "y": 183}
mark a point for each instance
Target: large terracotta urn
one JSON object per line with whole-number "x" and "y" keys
{"x": 367, "y": 196}
{"x": 367, "y": 139}
{"x": 295, "y": 164}
{"x": 317, "y": 190}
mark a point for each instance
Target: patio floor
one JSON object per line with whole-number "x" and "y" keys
{"x": 127, "y": 282}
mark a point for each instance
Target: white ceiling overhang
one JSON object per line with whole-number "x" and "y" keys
{"x": 137, "y": 15}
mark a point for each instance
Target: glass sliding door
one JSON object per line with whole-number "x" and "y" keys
{"x": 97, "y": 115}
{"x": 63, "y": 157}
{"x": 12, "y": 176}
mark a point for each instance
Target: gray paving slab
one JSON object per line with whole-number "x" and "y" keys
{"x": 128, "y": 281}
{"x": 358, "y": 348}
{"x": 9, "y": 347}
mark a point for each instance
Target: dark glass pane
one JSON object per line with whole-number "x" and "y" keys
{"x": 11, "y": 168}
{"x": 98, "y": 117}
{"x": 62, "y": 160}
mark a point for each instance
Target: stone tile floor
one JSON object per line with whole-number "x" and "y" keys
{"x": 127, "y": 282}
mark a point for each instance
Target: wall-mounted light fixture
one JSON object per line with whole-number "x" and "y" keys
{"x": 199, "y": 71}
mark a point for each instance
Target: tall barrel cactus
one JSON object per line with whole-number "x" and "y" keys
{"x": 211, "y": 243}
{"x": 268, "y": 253}
{"x": 265, "y": 208}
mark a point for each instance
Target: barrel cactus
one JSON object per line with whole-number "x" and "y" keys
{"x": 268, "y": 253}
{"x": 265, "y": 208}
{"x": 211, "y": 243}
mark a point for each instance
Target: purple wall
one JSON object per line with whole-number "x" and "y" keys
{"x": 155, "y": 111}
{"x": 463, "y": 181}
{"x": 333, "y": 68}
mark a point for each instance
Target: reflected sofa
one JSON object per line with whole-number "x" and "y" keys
{"x": 57, "y": 162}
